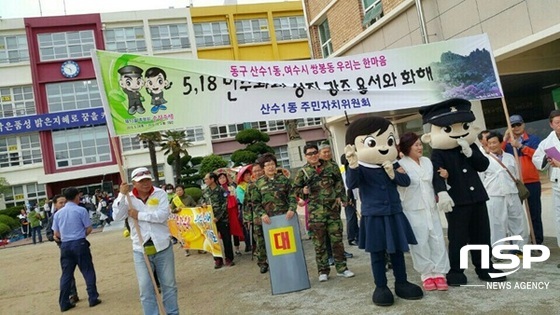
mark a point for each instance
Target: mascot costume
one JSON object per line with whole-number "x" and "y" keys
{"x": 371, "y": 151}
{"x": 463, "y": 198}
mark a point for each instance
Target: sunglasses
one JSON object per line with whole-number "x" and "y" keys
{"x": 516, "y": 125}
{"x": 142, "y": 174}
{"x": 312, "y": 153}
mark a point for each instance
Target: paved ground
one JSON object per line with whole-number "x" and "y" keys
{"x": 29, "y": 285}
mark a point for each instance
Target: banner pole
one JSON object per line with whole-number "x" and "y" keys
{"x": 524, "y": 202}
{"x": 137, "y": 226}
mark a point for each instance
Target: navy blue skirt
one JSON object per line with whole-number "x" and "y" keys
{"x": 389, "y": 233}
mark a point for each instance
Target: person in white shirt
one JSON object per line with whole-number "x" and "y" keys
{"x": 150, "y": 207}
{"x": 505, "y": 210}
{"x": 429, "y": 256}
{"x": 542, "y": 162}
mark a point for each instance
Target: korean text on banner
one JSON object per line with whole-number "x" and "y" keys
{"x": 147, "y": 93}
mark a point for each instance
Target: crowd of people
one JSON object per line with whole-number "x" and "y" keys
{"x": 241, "y": 206}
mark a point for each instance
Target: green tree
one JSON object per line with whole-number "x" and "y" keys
{"x": 189, "y": 170}
{"x": 4, "y": 185}
{"x": 152, "y": 139}
{"x": 210, "y": 163}
{"x": 175, "y": 143}
{"x": 255, "y": 142}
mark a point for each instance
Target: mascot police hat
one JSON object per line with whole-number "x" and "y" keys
{"x": 447, "y": 113}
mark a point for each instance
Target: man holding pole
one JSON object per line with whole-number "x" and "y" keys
{"x": 149, "y": 207}
{"x": 525, "y": 146}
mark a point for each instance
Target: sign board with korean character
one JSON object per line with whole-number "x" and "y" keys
{"x": 148, "y": 93}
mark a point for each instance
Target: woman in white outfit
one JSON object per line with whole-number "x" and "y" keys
{"x": 429, "y": 257}
{"x": 505, "y": 210}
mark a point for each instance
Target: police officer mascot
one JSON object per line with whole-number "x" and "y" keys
{"x": 451, "y": 134}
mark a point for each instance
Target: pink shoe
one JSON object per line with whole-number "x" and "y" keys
{"x": 441, "y": 284}
{"x": 429, "y": 284}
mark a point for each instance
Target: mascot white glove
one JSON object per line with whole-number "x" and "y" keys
{"x": 445, "y": 203}
{"x": 465, "y": 147}
{"x": 389, "y": 169}
{"x": 351, "y": 156}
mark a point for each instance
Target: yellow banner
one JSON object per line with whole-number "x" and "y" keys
{"x": 195, "y": 229}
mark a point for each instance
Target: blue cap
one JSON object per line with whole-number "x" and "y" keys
{"x": 515, "y": 119}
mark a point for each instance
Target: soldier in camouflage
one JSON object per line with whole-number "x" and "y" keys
{"x": 249, "y": 218}
{"x": 215, "y": 196}
{"x": 271, "y": 196}
{"x": 320, "y": 184}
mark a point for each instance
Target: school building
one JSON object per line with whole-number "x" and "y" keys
{"x": 524, "y": 35}
{"x": 52, "y": 126}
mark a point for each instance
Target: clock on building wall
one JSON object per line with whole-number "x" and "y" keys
{"x": 70, "y": 69}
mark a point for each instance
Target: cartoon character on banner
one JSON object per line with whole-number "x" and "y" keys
{"x": 131, "y": 83}
{"x": 371, "y": 151}
{"x": 156, "y": 82}
{"x": 451, "y": 134}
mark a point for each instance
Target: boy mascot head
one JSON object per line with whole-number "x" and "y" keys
{"x": 373, "y": 140}
{"x": 448, "y": 124}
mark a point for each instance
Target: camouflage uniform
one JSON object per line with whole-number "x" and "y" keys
{"x": 217, "y": 198}
{"x": 270, "y": 196}
{"x": 325, "y": 185}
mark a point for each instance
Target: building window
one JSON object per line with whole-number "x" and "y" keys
{"x": 73, "y": 95}
{"x": 170, "y": 37}
{"x": 195, "y": 134}
{"x": 252, "y": 31}
{"x": 19, "y": 195}
{"x": 20, "y": 150}
{"x": 17, "y": 101}
{"x": 13, "y": 49}
{"x": 307, "y": 122}
{"x": 211, "y": 34}
{"x": 230, "y": 131}
{"x": 65, "y": 45}
{"x": 131, "y": 143}
{"x": 373, "y": 11}
{"x": 81, "y": 146}
{"x": 282, "y": 156}
{"x": 265, "y": 126}
{"x": 226, "y": 131}
{"x": 125, "y": 39}
{"x": 325, "y": 38}
{"x": 290, "y": 28}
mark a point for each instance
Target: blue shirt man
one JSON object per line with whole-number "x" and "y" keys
{"x": 71, "y": 225}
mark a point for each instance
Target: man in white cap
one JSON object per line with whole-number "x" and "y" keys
{"x": 150, "y": 207}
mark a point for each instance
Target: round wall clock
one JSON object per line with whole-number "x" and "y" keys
{"x": 70, "y": 69}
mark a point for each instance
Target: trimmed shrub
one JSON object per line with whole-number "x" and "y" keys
{"x": 9, "y": 221}
{"x": 4, "y": 230}
{"x": 194, "y": 192}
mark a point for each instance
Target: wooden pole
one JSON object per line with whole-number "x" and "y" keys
{"x": 137, "y": 226}
{"x": 525, "y": 203}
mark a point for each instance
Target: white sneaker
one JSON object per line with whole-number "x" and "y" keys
{"x": 346, "y": 274}
{"x": 323, "y": 277}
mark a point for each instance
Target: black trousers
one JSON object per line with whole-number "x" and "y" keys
{"x": 223, "y": 229}
{"x": 467, "y": 224}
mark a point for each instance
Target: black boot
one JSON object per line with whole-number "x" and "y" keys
{"x": 382, "y": 296}
{"x": 456, "y": 279}
{"x": 408, "y": 291}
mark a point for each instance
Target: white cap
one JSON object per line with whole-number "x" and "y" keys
{"x": 141, "y": 173}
